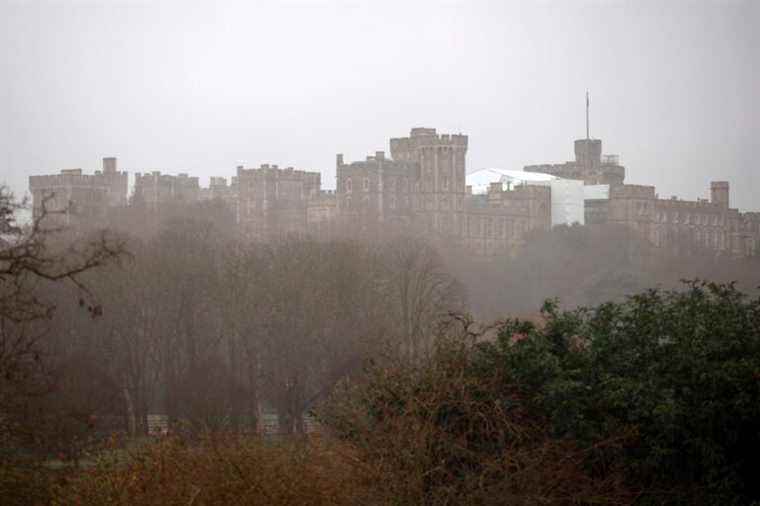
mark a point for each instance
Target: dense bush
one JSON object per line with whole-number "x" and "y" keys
{"x": 681, "y": 368}
{"x": 652, "y": 400}
{"x": 449, "y": 431}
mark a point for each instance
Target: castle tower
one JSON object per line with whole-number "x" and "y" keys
{"x": 109, "y": 165}
{"x": 719, "y": 193}
{"x": 439, "y": 183}
{"x": 588, "y": 153}
{"x": 116, "y": 181}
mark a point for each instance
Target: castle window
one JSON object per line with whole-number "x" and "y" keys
{"x": 348, "y": 186}
{"x": 392, "y": 203}
{"x": 366, "y": 184}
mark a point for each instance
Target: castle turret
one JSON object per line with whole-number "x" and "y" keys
{"x": 719, "y": 193}
{"x": 109, "y": 165}
{"x": 588, "y": 153}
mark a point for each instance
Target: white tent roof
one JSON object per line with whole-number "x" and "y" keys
{"x": 481, "y": 179}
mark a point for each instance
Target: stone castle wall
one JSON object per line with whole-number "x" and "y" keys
{"x": 422, "y": 186}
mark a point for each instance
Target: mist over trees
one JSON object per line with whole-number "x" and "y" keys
{"x": 172, "y": 313}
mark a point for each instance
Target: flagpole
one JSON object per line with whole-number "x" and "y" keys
{"x": 587, "y": 130}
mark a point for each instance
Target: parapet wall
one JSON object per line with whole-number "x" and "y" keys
{"x": 275, "y": 172}
{"x": 66, "y": 179}
{"x": 441, "y": 140}
{"x": 702, "y": 205}
{"x": 632, "y": 191}
{"x": 156, "y": 177}
{"x": 401, "y": 147}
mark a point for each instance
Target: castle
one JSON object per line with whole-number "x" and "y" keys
{"x": 72, "y": 196}
{"x": 422, "y": 186}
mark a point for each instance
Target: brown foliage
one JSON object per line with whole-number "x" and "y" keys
{"x": 439, "y": 435}
{"x": 223, "y": 469}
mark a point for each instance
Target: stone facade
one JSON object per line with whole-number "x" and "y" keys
{"x": 682, "y": 225}
{"x": 374, "y": 192}
{"x": 678, "y": 225}
{"x": 72, "y": 197}
{"x": 154, "y": 190}
{"x": 421, "y": 186}
{"x": 437, "y": 179}
{"x": 273, "y": 202}
{"x": 322, "y": 214}
{"x": 589, "y": 165}
{"x": 497, "y": 223}
{"x": 218, "y": 189}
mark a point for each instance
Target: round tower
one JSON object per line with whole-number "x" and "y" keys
{"x": 588, "y": 152}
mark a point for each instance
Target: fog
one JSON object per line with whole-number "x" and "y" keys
{"x": 203, "y": 87}
{"x": 568, "y": 334}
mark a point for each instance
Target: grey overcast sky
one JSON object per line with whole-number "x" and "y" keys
{"x": 204, "y": 87}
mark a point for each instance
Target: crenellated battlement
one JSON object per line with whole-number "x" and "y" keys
{"x": 274, "y": 172}
{"x": 428, "y": 140}
{"x": 155, "y": 177}
{"x": 67, "y": 177}
{"x": 675, "y": 204}
{"x": 632, "y": 191}
{"x": 74, "y": 178}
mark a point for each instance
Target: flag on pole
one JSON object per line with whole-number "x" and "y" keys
{"x": 587, "y": 132}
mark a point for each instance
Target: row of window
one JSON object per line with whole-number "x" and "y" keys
{"x": 713, "y": 239}
{"x": 348, "y": 185}
{"x": 473, "y": 226}
{"x": 692, "y": 219}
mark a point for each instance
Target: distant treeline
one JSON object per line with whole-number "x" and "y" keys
{"x": 386, "y": 339}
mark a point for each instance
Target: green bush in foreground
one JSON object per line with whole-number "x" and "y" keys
{"x": 450, "y": 431}
{"x": 681, "y": 368}
{"x": 655, "y": 400}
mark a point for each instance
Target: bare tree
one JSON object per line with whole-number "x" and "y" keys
{"x": 420, "y": 293}
{"x": 34, "y": 262}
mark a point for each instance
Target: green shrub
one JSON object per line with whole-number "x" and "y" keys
{"x": 681, "y": 368}
{"x": 450, "y": 431}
